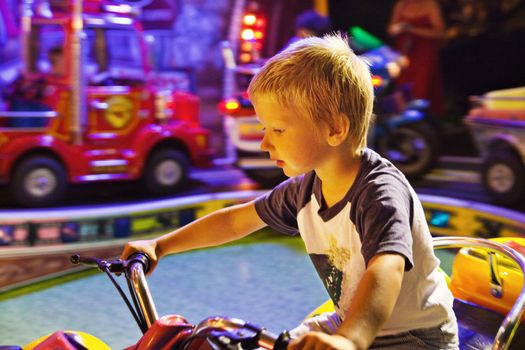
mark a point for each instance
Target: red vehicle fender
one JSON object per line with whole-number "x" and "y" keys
{"x": 13, "y": 150}
{"x": 177, "y": 134}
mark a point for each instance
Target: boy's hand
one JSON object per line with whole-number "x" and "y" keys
{"x": 321, "y": 341}
{"x": 148, "y": 247}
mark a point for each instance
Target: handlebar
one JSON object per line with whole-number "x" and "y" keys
{"x": 116, "y": 265}
{"x": 134, "y": 268}
{"x": 225, "y": 332}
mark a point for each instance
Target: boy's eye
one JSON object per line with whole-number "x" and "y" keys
{"x": 277, "y": 131}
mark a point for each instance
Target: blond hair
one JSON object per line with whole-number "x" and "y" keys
{"x": 323, "y": 78}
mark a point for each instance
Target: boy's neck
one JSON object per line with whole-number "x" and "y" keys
{"x": 336, "y": 183}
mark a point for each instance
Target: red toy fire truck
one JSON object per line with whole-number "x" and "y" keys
{"x": 88, "y": 107}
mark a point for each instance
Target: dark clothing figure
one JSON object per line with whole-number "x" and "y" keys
{"x": 418, "y": 29}
{"x": 423, "y": 73}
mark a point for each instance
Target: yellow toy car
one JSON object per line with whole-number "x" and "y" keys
{"x": 487, "y": 278}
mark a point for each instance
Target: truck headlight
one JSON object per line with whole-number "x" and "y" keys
{"x": 163, "y": 105}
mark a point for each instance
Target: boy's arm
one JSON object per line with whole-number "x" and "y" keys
{"x": 219, "y": 227}
{"x": 374, "y": 299}
{"x": 371, "y": 307}
{"x": 224, "y": 225}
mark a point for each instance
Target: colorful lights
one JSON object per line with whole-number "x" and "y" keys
{"x": 252, "y": 35}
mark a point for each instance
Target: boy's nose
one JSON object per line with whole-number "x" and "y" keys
{"x": 265, "y": 144}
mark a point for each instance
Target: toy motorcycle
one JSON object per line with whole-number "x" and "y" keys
{"x": 402, "y": 131}
{"x": 167, "y": 332}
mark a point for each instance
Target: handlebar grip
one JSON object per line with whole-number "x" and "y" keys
{"x": 282, "y": 341}
{"x": 141, "y": 258}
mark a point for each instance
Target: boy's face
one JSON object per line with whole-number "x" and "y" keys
{"x": 293, "y": 141}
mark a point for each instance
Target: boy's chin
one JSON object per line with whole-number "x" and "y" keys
{"x": 292, "y": 173}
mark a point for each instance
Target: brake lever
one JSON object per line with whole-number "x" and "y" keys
{"x": 89, "y": 261}
{"x": 115, "y": 266}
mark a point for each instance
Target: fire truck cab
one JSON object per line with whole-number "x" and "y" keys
{"x": 88, "y": 107}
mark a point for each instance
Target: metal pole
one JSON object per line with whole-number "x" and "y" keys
{"x": 233, "y": 43}
{"x": 27, "y": 13}
{"x": 142, "y": 292}
{"x": 78, "y": 99}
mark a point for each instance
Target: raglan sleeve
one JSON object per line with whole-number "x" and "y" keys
{"x": 383, "y": 219}
{"x": 278, "y": 208}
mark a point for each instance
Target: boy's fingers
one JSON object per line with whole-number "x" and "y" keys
{"x": 125, "y": 253}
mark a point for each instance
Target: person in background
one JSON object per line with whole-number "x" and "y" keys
{"x": 468, "y": 21}
{"x": 310, "y": 23}
{"x": 57, "y": 60}
{"x": 418, "y": 28}
{"x": 362, "y": 223}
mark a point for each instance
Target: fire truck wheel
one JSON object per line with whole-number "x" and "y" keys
{"x": 38, "y": 181}
{"x": 503, "y": 177}
{"x": 166, "y": 171}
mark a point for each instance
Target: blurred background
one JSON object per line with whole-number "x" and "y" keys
{"x": 482, "y": 51}
{"x": 124, "y": 119}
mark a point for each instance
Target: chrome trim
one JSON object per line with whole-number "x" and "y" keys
{"x": 266, "y": 339}
{"x": 108, "y": 162}
{"x": 109, "y": 21}
{"x": 99, "y": 105}
{"x": 228, "y": 323}
{"x": 77, "y": 110}
{"x": 28, "y": 114}
{"x": 496, "y": 286}
{"x": 103, "y": 136}
{"x": 15, "y": 129}
{"x": 141, "y": 291}
{"x": 103, "y": 177}
{"x": 114, "y": 89}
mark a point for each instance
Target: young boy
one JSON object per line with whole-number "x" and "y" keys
{"x": 363, "y": 225}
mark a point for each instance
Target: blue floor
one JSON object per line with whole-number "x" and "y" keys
{"x": 270, "y": 284}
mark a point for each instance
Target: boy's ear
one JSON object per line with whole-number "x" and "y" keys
{"x": 338, "y": 131}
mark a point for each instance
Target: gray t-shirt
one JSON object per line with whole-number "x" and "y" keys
{"x": 380, "y": 213}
